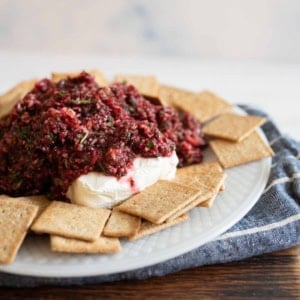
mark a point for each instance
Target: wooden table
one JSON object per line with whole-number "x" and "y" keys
{"x": 270, "y": 276}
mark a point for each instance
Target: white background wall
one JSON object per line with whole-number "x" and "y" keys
{"x": 231, "y": 29}
{"x": 247, "y": 51}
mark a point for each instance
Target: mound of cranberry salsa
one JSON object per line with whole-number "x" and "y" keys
{"x": 60, "y": 131}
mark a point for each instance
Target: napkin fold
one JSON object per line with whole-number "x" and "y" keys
{"x": 272, "y": 224}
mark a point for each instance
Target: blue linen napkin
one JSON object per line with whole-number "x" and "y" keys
{"x": 272, "y": 224}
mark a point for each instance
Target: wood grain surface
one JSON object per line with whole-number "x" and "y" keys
{"x": 270, "y": 276}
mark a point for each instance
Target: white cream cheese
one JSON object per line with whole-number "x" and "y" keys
{"x": 97, "y": 190}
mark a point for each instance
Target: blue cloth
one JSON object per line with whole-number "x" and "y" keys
{"x": 272, "y": 224}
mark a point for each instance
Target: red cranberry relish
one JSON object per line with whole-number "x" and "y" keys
{"x": 62, "y": 130}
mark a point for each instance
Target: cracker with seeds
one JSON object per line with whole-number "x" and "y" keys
{"x": 208, "y": 187}
{"x": 146, "y": 85}
{"x": 170, "y": 96}
{"x": 15, "y": 220}
{"x": 203, "y": 106}
{"x": 102, "y": 244}
{"x": 14, "y": 95}
{"x": 98, "y": 76}
{"x": 232, "y": 154}
{"x": 159, "y": 201}
{"x": 121, "y": 224}
{"x": 232, "y": 126}
{"x": 72, "y": 221}
{"x": 148, "y": 228}
{"x": 201, "y": 169}
{"x": 40, "y": 201}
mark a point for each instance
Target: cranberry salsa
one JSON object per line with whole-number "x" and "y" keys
{"x": 62, "y": 130}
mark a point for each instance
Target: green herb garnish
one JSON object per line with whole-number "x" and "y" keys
{"x": 150, "y": 144}
{"x": 84, "y": 138}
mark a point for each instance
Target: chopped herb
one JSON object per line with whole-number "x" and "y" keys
{"x": 25, "y": 133}
{"x": 52, "y": 137}
{"x": 79, "y": 101}
{"x": 101, "y": 167}
{"x": 61, "y": 93}
{"x": 150, "y": 144}
{"x": 84, "y": 138}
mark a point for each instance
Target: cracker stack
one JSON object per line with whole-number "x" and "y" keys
{"x": 236, "y": 140}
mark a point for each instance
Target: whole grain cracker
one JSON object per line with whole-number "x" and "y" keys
{"x": 72, "y": 221}
{"x": 147, "y": 85}
{"x": 159, "y": 201}
{"x": 232, "y": 154}
{"x": 15, "y": 220}
{"x": 100, "y": 245}
{"x": 40, "y": 201}
{"x": 232, "y": 126}
{"x": 201, "y": 169}
{"x": 208, "y": 203}
{"x": 121, "y": 224}
{"x": 170, "y": 95}
{"x": 148, "y": 228}
{"x": 208, "y": 187}
{"x": 9, "y": 99}
{"x": 98, "y": 76}
{"x": 203, "y": 106}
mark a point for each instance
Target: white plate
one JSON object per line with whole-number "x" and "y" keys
{"x": 244, "y": 185}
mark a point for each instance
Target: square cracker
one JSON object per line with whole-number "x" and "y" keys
{"x": 15, "y": 220}
{"x": 232, "y": 154}
{"x": 205, "y": 105}
{"x": 121, "y": 224}
{"x": 147, "y": 85}
{"x": 170, "y": 96}
{"x": 100, "y": 245}
{"x": 232, "y": 126}
{"x": 14, "y": 95}
{"x": 72, "y": 221}
{"x": 40, "y": 201}
{"x": 208, "y": 186}
{"x": 148, "y": 228}
{"x": 98, "y": 76}
{"x": 159, "y": 201}
{"x": 201, "y": 169}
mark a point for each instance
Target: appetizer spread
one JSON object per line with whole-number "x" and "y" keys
{"x": 89, "y": 162}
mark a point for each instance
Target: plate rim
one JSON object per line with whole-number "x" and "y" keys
{"x": 48, "y": 271}
{"x": 149, "y": 260}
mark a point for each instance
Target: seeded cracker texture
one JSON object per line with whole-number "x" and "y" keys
{"x": 15, "y": 220}
{"x": 40, "y": 201}
{"x": 203, "y": 106}
{"x": 170, "y": 95}
{"x": 232, "y": 154}
{"x": 148, "y": 228}
{"x": 147, "y": 85}
{"x": 72, "y": 221}
{"x": 207, "y": 190}
{"x": 121, "y": 224}
{"x": 233, "y": 127}
{"x": 100, "y": 245}
{"x": 159, "y": 201}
